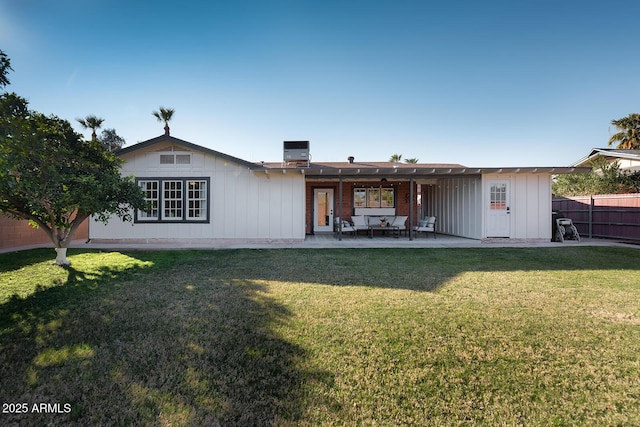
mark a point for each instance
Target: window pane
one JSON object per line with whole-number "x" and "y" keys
{"x": 172, "y": 200}
{"x": 498, "y": 197}
{"x": 387, "y": 199}
{"x": 323, "y": 208}
{"x": 183, "y": 159}
{"x": 150, "y": 189}
{"x": 373, "y": 197}
{"x": 197, "y": 200}
{"x": 359, "y": 197}
{"x": 166, "y": 159}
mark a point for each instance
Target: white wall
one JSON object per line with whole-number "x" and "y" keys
{"x": 456, "y": 202}
{"x": 459, "y": 203}
{"x": 629, "y": 165}
{"x": 530, "y": 205}
{"x": 243, "y": 204}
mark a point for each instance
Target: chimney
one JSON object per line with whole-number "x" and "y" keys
{"x": 351, "y": 159}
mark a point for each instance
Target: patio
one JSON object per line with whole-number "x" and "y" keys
{"x": 328, "y": 240}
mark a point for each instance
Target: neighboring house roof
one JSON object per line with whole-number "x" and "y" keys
{"x": 610, "y": 153}
{"x": 185, "y": 144}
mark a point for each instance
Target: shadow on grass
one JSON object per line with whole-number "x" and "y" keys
{"x": 155, "y": 345}
{"x": 188, "y": 337}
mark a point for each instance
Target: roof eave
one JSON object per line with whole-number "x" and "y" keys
{"x": 408, "y": 173}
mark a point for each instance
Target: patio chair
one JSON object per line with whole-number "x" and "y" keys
{"x": 565, "y": 230}
{"x": 359, "y": 223}
{"x": 347, "y": 227}
{"x": 428, "y": 225}
{"x": 398, "y": 222}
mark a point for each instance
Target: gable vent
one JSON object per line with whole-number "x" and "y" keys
{"x": 175, "y": 159}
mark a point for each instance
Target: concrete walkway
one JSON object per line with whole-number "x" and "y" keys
{"x": 329, "y": 241}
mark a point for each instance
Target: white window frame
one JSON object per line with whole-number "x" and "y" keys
{"x": 152, "y": 196}
{"x": 197, "y": 199}
{"x": 176, "y": 200}
{"x": 172, "y": 199}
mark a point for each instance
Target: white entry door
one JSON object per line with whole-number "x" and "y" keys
{"x": 323, "y": 209}
{"x": 498, "y": 217}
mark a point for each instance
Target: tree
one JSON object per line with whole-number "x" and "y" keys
{"x": 628, "y": 135}
{"x": 111, "y": 140}
{"x": 52, "y": 177}
{"x": 395, "y": 158}
{"x": 164, "y": 115}
{"x": 604, "y": 178}
{"x": 5, "y": 66}
{"x": 91, "y": 122}
{"x": 412, "y": 160}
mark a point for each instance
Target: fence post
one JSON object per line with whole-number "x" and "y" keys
{"x": 591, "y": 201}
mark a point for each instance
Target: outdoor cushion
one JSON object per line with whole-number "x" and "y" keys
{"x": 398, "y": 221}
{"x": 359, "y": 222}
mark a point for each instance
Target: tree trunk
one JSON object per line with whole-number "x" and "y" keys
{"x": 61, "y": 257}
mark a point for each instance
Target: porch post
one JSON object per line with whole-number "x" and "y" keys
{"x": 591, "y": 202}
{"x": 340, "y": 209}
{"x": 411, "y": 209}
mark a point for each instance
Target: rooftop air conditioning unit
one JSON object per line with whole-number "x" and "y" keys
{"x": 296, "y": 152}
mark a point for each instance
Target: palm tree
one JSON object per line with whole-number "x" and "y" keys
{"x": 412, "y": 160}
{"x": 628, "y": 135}
{"x": 395, "y": 158}
{"x": 5, "y": 67}
{"x": 93, "y": 123}
{"x": 164, "y": 115}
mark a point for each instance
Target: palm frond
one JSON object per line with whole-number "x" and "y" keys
{"x": 164, "y": 114}
{"x": 628, "y": 136}
{"x": 90, "y": 122}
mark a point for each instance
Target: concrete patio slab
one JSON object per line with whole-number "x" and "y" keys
{"x": 320, "y": 241}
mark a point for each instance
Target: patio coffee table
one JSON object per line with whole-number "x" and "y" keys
{"x": 394, "y": 228}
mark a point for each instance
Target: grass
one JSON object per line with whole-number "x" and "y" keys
{"x": 491, "y": 336}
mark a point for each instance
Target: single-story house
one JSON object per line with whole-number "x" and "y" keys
{"x": 202, "y": 195}
{"x": 629, "y": 160}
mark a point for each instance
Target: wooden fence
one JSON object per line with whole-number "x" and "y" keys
{"x": 611, "y": 216}
{"x": 15, "y": 234}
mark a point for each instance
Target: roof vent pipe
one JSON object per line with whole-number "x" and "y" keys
{"x": 351, "y": 159}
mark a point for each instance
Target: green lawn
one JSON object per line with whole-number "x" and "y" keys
{"x": 490, "y": 336}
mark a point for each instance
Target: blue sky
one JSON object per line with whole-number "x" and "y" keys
{"x": 481, "y": 83}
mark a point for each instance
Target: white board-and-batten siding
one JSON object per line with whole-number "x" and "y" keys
{"x": 461, "y": 204}
{"x": 530, "y": 204}
{"x": 457, "y": 204}
{"x": 244, "y": 205}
